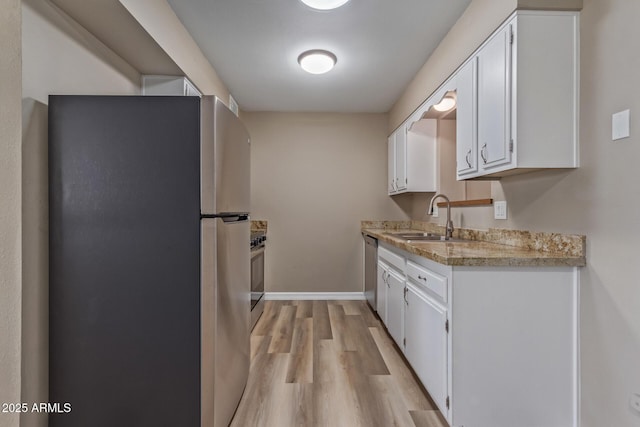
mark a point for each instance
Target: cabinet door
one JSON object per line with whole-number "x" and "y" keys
{"x": 426, "y": 343}
{"x": 391, "y": 166}
{"x": 494, "y": 69}
{"x": 395, "y": 307}
{"x": 381, "y": 289}
{"x": 466, "y": 119}
{"x": 401, "y": 158}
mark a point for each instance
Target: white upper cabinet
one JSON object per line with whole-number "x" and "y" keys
{"x": 412, "y": 158}
{"x": 516, "y": 109}
{"x": 391, "y": 166}
{"x": 466, "y": 121}
{"x": 168, "y": 85}
{"x": 493, "y": 100}
{"x": 527, "y": 98}
{"x": 401, "y": 159}
{"x": 398, "y": 161}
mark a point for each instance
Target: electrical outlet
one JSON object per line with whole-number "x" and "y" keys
{"x": 435, "y": 210}
{"x": 500, "y": 210}
{"x": 634, "y": 403}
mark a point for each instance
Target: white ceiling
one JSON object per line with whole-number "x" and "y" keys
{"x": 380, "y": 45}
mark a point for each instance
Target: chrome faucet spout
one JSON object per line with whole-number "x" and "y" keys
{"x": 449, "y": 227}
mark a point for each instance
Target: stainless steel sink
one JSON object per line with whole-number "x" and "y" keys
{"x": 423, "y": 237}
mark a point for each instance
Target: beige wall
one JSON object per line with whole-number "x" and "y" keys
{"x": 59, "y": 57}
{"x": 10, "y": 208}
{"x": 598, "y": 200}
{"x": 314, "y": 177}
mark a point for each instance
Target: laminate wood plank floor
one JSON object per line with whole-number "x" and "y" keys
{"x": 329, "y": 363}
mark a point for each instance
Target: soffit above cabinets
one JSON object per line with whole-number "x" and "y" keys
{"x": 114, "y": 26}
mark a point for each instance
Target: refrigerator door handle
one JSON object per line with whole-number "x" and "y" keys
{"x": 235, "y": 218}
{"x": 230, "y": 216}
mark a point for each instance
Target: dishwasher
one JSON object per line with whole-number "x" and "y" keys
{"x": 370, "y": 269}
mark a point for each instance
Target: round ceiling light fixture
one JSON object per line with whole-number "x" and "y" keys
{"x": 324, "y": 4}
{"x": 317, "y": 61}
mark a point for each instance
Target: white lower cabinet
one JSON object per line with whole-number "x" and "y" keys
{"x": 395, "y": 307}
{"x": 381, "y": 291}
{"x": 426, "y": 342}
{"x": 495, "y": 346}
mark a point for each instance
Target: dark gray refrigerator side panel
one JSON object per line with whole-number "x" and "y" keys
{"x": 124, "y": 260}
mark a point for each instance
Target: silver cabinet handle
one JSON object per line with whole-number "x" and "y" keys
{"x": 422, "y": 278}
{"x": 405, "y": 296}
{"x": 484, "y": 158}
{"x": 467, "y": 158}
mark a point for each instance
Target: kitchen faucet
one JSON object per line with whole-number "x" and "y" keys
{"x": 449, "y": 230}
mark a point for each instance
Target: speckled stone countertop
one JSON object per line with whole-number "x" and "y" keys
{"x": 259, "y": 225}
{"x": 493, "y": 247}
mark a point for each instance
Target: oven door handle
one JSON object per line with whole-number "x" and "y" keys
{"x": 257, "y": 251}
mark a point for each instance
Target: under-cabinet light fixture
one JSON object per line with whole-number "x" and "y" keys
{"x": 447, "y": 103}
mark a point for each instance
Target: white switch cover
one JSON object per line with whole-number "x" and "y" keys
{"x": 435, "y": 210}
{"x": 500, "y": 210}
{"x": 620, "y": 125}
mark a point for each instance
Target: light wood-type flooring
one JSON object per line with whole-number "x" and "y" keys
{"x": 329, "y": 363}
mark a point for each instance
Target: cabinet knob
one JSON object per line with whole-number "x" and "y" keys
{"x": 482, "y": 153}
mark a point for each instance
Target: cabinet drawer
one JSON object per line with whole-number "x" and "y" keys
{"x": 432, "y": 281}
{"x": 394, "y": 260}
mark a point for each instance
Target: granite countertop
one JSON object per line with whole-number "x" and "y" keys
{"x": 493, "y": 247}
{"x": 259, "y": 225}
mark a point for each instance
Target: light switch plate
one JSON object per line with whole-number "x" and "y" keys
{"x": 500, "y": 210}
{"x": 620, "y": 125}
{"x": 435, "y": 210}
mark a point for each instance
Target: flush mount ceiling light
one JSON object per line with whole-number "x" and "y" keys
{"x": 317, "y": 61}
{"x": 447, "y": 103}
{"x": 324, "y": 4}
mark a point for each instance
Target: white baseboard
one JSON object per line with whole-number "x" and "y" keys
{"x": 314, "y": 296}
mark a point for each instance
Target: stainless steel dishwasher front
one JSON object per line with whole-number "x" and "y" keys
{"x": 370, "y": 269}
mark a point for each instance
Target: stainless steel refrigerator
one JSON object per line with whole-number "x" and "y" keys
{"x": 149, "y": 294}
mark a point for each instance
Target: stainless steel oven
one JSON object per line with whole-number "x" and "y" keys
{"x": 257, "y": 276}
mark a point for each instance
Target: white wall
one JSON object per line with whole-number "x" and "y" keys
{"x": 599, "y": 200}
{"x": 314, "y": 177}
{"x": 59, "y": 57}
